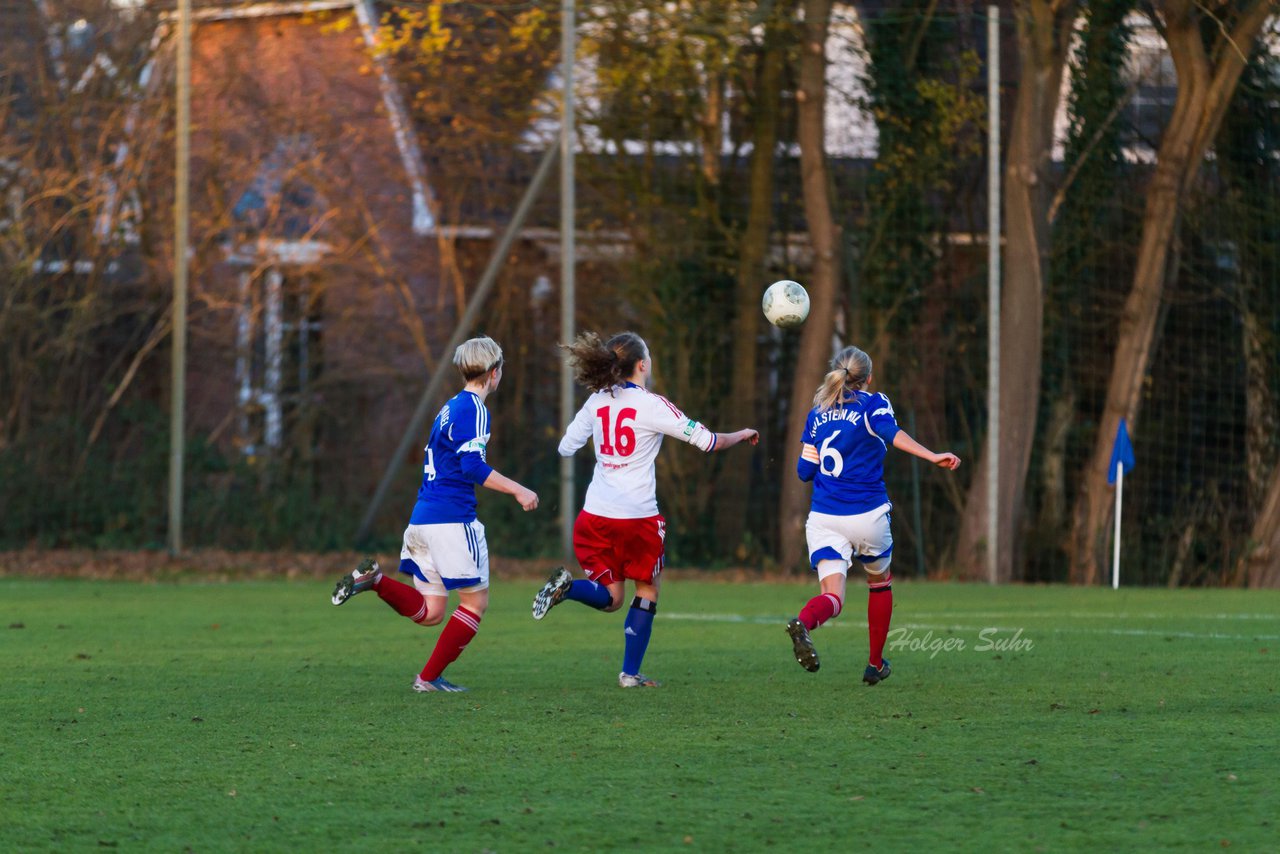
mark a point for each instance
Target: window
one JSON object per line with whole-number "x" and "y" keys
{"x": 278, "y": 355}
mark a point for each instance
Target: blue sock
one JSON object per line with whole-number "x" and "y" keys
{"x": 636, "y": 633}
{"x": 589, "y": 593}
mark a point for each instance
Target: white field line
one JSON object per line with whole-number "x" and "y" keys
{"x": 952, "y": 627}
{"x": 1091, "y": 615}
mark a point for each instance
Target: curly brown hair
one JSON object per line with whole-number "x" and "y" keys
{"x": 599, "y": 365}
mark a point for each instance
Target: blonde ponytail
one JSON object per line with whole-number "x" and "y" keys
{"x": 850, "y": 370}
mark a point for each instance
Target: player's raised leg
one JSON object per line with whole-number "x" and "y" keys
{"x": 802, "y": 645}
{"x": 825, "y": 606}
{"x": 561, "y": 586}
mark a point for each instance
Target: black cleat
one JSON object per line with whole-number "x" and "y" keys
{"x": 872, "y": 676}
{"x": 552, "y": 593}
{"x": 805, "y": 653}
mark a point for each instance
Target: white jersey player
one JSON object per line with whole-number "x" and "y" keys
{"x": 620, "y": 534}
{"x": 627, "y": 424}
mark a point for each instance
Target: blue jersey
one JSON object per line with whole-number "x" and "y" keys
{"x": 455, "y": 462}
{"x": 843, "y": 454}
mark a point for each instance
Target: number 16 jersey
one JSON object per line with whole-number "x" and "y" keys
{"x": 627, "y": 424}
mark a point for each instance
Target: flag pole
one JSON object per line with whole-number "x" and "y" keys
{"x": 1115, "y": 549}
{"x": 1121, "y": 458}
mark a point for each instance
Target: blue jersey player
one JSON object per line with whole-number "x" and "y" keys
{"x": 846, "y": 436}
{"x": 444, "y": 545}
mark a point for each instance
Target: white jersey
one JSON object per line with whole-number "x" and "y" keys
{"x": 627, "y": 424}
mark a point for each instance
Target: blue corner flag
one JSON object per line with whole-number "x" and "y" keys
{"x": 1121, "y": 452}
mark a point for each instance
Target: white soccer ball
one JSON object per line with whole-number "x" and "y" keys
{"x": 786, "y": 304}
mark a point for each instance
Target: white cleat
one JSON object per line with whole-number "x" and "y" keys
{"x": 638, "y": 680}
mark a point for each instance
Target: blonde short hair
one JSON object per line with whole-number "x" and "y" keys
{"x": 477, "y": 357}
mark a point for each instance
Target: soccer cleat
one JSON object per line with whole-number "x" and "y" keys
{"x": 552, "y": 593}
{"x": 873, "y": 676}
{"x": 639, "y": 680}
{"x": 803, "y": 646}
{"x": 358, "y": 580}
{"x": 422, "y": 686}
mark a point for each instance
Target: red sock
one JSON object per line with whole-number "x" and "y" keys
{"x": 406, "y": 600}
{"x": 458, "y": 632}
{"x": 879, "y": 612}
{"x": 819, "y": 609}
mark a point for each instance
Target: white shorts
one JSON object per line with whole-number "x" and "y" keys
{"x": 865, "y": 537}
{"x": 447, "y": 556}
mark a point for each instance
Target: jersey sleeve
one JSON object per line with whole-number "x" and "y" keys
{"x": 880, "y": 418}
{"x": 470, "y": 435}
{"x": 807, "y": 465}
{"x": 578, "y": 433}
{"x": 665, "y": 417}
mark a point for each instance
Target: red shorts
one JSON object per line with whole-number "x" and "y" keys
{"x": 610, "y": 550}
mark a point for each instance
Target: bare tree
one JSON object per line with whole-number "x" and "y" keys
{"x": 824, "y": 236}
{"x": 734, "y": 483}
{"x": 1043, "y": 34}
{"x": 1207, "y": 71}
{"x": 1260, "y": 564}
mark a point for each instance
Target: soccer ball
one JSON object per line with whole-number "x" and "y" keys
{"x": 786, "y": 304}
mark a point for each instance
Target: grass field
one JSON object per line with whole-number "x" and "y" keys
{"x": 255, "y": 716}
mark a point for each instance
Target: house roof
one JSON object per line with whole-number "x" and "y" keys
{"x": 41, "y": 39}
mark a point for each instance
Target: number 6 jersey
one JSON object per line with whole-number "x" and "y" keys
{"x": 843, "y": 454}
{"x": 627, "y": 424}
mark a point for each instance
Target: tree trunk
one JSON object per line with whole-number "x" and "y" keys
{"x": 734, "y": 483}
{"x": 1260, "y": 566}
{"x": 815, "y": 339}
{"x": 1206, "y": 82}
{"x": 1260, "y": 408}
{"x": 1053, "y": 479}
{"x": 1044, "y": 35}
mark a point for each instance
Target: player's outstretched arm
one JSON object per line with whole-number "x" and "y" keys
{"x": 499, "y": 482}
{"x": 903, "y": 442}
{"x": 728, "y": 440}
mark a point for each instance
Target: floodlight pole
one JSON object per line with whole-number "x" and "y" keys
{"x": 993, "y": 292}
{"x": 181, "y": 240}
{"x": 568, "y": 49}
